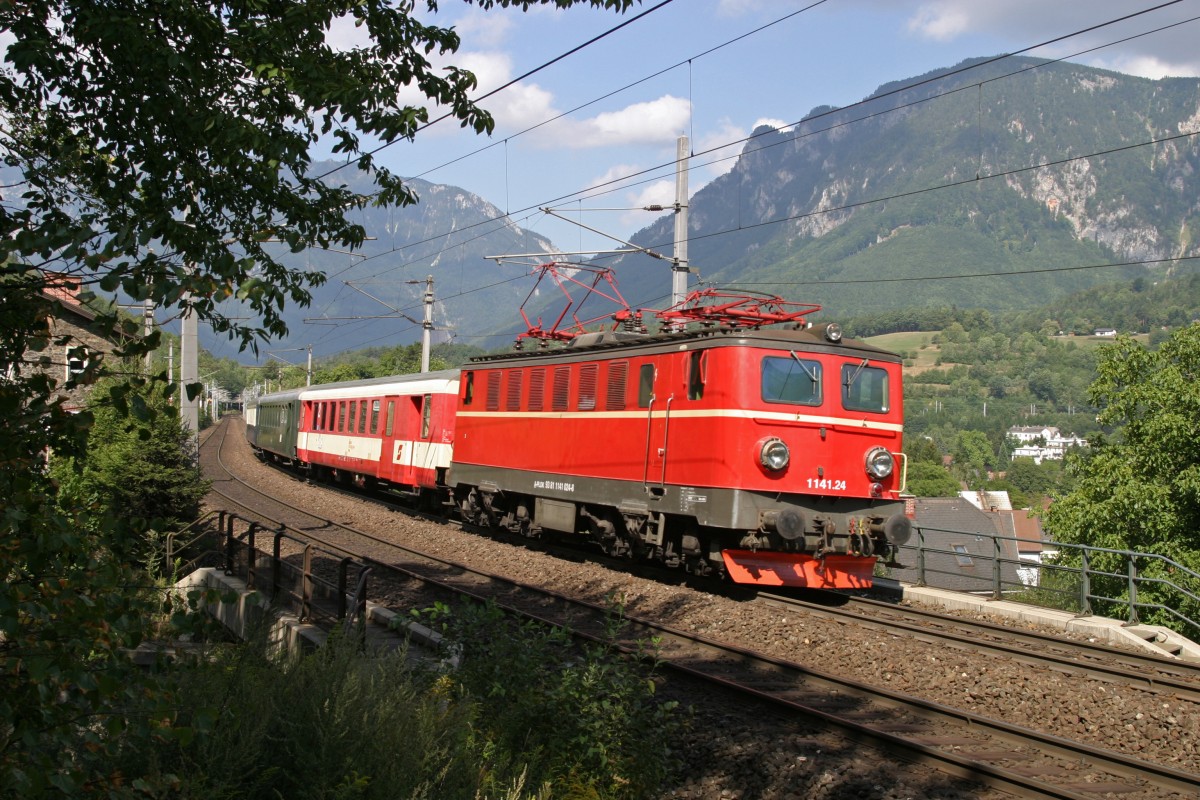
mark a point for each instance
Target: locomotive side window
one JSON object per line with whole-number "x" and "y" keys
{"x": 791, "y": 379}
{"x": 512, "y": 400}
{"x": 645, "y": 385}
{"x": 374, "y": 416}
{"x": 695, "y": 374}
{"x": 493, "y": 390}
{"x": 468, "y": 392}
{"x": 614, "y": 399}
{"x": 562, "y": 380}
{"x": 537, "y": 389}
{"x": 864, "y": 388}
{"x": 588, "y": 375}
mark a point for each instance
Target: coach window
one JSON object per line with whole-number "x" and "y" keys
{"x": 374, "y": 416}
{"x": 351, "y": 416}
{"x": 341, "y": 416}
{"x": 391, "y": 418}
{"x": 645, "y": 385}
{"x": 426, "y": 416}
{"x": 362, "y": 416}
{"x": 791, "y": 379}
{"x": 864, "y": 388}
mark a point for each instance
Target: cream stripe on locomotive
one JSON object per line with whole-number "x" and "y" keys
{"x": 734, "y": 413}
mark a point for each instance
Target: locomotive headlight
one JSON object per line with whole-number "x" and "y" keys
{"x": 880, "y": 462}
{"x": 773, "y": 454}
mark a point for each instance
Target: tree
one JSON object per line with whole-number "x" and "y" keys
{"x": 142, "y": 468}
{"x": 161, "y": 146}
{"x": 1142, "y": 491}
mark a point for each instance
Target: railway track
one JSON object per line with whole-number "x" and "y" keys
{"x": 1127, "y": 668}
{"x": 1011, "y": 758}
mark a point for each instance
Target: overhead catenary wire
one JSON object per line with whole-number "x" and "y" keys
{"x": 940, "y": 76}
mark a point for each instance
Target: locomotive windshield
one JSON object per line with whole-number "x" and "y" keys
{"x": 864, "y": 388}
{"x": 791, "y": 380}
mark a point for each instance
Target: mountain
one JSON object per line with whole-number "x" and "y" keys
{"x": 375, "y": 297}
{"x": 839, "y": 208}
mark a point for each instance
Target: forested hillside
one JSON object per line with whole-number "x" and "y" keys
{"x": 1023, "y": 175}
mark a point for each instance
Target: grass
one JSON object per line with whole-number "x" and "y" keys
{"x": 920, "y": 354}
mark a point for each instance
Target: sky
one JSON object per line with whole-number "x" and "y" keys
{"x": 714, "y": 70}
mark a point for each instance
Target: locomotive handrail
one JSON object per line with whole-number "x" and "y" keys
{"x": 1075, "y": 579}
{"x": 662, "y": 478}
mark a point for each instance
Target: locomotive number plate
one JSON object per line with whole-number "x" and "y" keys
{"x": 828, "y": 484}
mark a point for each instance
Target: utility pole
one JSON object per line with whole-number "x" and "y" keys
{"x": 679, "y": 267}
{"x": 148, "y": 328}
{"x": 427, "y": 325}
{"x": 308, "y": 376}
{"x": 189, "y": 369}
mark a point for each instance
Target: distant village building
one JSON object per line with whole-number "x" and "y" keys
{"x": 1106, "y": 332}
{"x": 1042, "y": 443}
{"x": 1021, "y": 525}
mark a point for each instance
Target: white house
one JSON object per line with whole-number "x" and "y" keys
{"x": 1053, "y": 444}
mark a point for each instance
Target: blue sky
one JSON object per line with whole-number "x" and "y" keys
{"x": 834, "y": 52}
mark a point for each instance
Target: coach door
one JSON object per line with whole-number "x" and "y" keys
{"x": 393, "y": 446}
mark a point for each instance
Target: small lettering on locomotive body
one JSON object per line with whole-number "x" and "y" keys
{"x": 558, "y": 486}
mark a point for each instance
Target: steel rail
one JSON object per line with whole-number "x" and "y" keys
{"x": 1148, "y": 672}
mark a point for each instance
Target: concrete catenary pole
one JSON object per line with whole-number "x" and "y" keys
{"x": 427, "y": 325}
{"x": 679, "y": 269}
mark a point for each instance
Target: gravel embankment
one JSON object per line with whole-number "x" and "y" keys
{"x": 735, "y": 752}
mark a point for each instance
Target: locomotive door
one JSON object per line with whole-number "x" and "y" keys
{"x": 658, "y": 413}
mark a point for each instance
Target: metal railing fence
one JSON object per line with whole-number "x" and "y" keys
{"x": 1128, "y": 585}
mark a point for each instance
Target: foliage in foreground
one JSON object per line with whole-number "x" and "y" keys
{"x": 1142, "y": 492}
{"x": 526, "y": 716}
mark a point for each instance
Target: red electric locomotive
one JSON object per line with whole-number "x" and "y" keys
{"x": 770, "y": 454}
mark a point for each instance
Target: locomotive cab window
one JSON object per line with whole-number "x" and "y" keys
{"x": 864, "y": 388}
{"x": 791, "y": 379}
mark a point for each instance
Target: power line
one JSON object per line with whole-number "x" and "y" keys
{"x": 512, "y": 82}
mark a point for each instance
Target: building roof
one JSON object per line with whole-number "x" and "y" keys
{"x": 959, "y": 544}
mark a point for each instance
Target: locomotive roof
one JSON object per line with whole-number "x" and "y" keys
{"x": 810, "y": 340}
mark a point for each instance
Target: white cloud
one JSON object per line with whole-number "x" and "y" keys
{"x": 483, "y": 29}
{"x": 653, "y": 122}
{"x": 1170, "y": 51}
{"x": 939, "y": 21}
